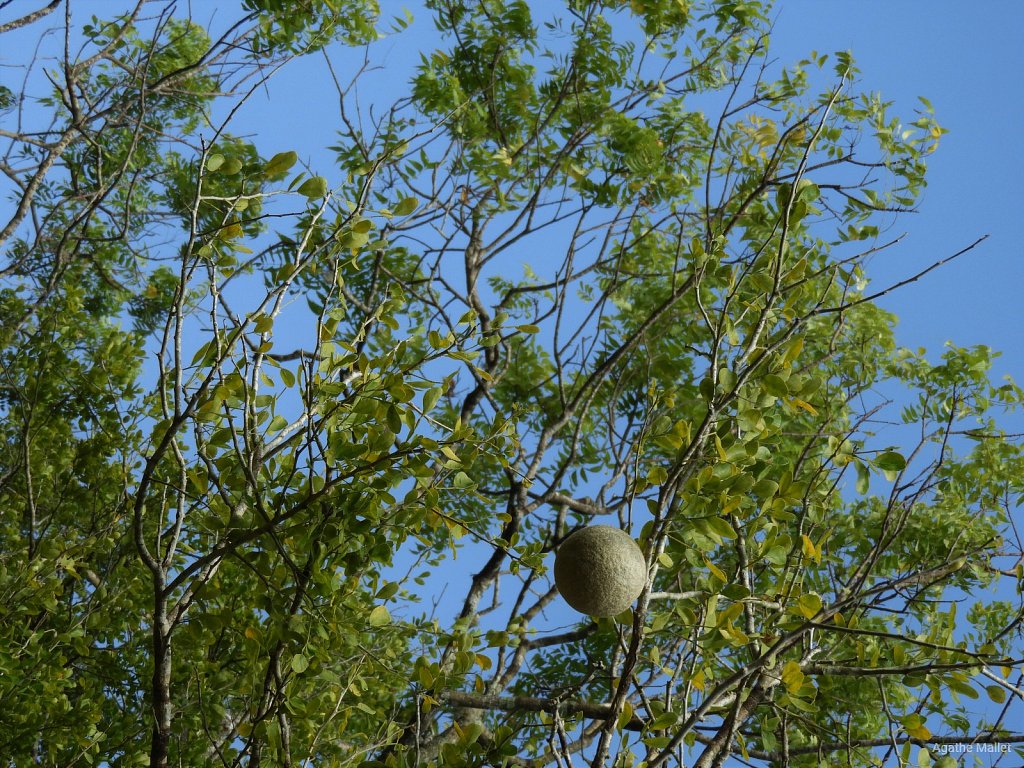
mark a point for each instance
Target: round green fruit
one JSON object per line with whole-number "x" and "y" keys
{"x": 600, "y": 570}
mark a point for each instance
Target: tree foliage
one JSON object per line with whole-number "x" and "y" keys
{"x": 287, "y": 450}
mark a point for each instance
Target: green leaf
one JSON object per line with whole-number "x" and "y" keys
{"x": 804, "y": 706}
{"x": 528, "y": 328}
{"x": 209, "y": 348}
{"x": 314, "y": 187}
{"x": 726, "y": 379}
{"x": 765, "y": 488}
{"x": 961, "y": 687}
{"x": 387, "y": 591}
{"x": 406, "y": 206}
{"x": 214, "y": 161}
{"x": 279, "y": 164}
{"x": 625, "y": 716}
{"x": 379, "y": 616}
{"x": 774, "y": 385}
{"x": 735, "y": 591}
{"x": 890, "y": 461}
{"x": 863, "y": 477}
{"x": 299, "y": 663}
{"x": 777, "y": 554}
{"x": 663, "y": 721}
{"x": 430, "y": 398}
{"x": 721, "y": 527}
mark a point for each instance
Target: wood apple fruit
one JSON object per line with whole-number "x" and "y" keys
{"x": 600, "y": 570}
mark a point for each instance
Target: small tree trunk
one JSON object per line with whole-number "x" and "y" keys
{"x": 161, "y": 689}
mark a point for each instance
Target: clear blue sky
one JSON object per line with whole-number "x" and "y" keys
{"x": 967, "y": 59}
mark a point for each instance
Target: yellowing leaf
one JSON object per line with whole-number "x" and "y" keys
{"x": 808, "y": 545}
{"x": 802, "y": 404}
{"x": 920, "y": 732}
{"x": 721, "y": 450}
{"x": 996, "y": 693}
{"x": 809, "y": 604}
{"x": 230, "y": 232}
{"x": 736, "y": 636}
{"x": 697, "y": 681}
{"x": 794, "y": 351}
{"x": 809, "y": 549}
{"x": 379, "y": 616}
{"x": 717, "y": 572}
{"x": 792, "y": 676}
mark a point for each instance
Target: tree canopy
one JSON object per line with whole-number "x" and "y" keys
{"x": 288, "y": 448}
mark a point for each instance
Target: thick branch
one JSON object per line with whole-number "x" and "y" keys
{"x": 591, "y": 709}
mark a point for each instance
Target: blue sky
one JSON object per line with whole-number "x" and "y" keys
{"x": 966, "y": 58}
